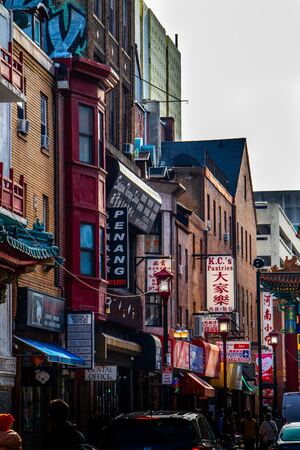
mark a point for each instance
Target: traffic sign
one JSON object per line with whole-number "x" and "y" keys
{"x": 167, "y": 375}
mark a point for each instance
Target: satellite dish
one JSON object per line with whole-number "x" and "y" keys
{"x": 21, "y": 19}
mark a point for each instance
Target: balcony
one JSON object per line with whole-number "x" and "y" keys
{"x": 11, "y": 193}
{"x": 11, "y": 76}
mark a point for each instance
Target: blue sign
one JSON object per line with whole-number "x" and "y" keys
{"x": 196, "y": 359}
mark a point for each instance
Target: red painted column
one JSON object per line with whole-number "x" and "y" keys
{"x": 291, "y": 356}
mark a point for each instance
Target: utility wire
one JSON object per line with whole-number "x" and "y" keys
{"x": 160, "y": 89}
{"x": 72, "y": 274}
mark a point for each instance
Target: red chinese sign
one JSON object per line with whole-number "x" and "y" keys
{"x": 220, "y": 284}
{"x": 268, "y": 317}
{"x": 155, "y": 265}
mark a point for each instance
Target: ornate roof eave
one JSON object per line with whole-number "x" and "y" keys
{"x": 283, "y": 283}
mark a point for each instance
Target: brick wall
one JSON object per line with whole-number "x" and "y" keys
{"x": 28, "y": 159}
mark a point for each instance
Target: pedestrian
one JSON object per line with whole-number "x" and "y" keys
{"x": 230, "y": 425}
{"x": 220, "y": 425}
{"x": 249, "y": 430}
{"x": 268, "y": 432}
{"x": 9, "y": 439}
{"x": 63, "y": 435}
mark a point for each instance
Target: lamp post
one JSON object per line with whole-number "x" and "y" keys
{"x": 259, "y": 263}
{"x": 273, "y": 341}
{"x": 164, "y": 289}
{"x": 224, "y": 325}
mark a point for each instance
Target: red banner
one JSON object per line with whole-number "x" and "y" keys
{"x": 267, "y": 367}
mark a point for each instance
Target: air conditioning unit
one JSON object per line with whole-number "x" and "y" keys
{"x": 23, "y": 126}
{"x": 45, "y": 141}
{"x": 198, "y": 330}
{"x": 128, "y": 151}
{"x": 180, "y": 269}
{"x": 226, "y": 237}
{"x": 208, "y": 225}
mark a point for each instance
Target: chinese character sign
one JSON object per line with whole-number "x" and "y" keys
{"x": 236, "y": 351}
{"x": 155, "y": 265}
{"x": 268, "y": 317}
{"x": 220, "y": 284}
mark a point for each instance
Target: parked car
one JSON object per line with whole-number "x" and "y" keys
{"x": 289, "y": 437}
{"x": 160, "y": 431}
{"x": 291, "y": 407}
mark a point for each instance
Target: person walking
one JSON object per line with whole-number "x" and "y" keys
{"x": 268, "y": 432}
{"x": 248, "y": 430}
{"x": 9, "y": 439}
{"x": 63, "y": 435}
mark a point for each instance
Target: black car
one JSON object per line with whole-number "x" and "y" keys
{"x": 160, "y": 431}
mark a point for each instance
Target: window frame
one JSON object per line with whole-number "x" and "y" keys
{"x": 44, "y": 115}
{"x": 99, "y": 10}
{"x": 46, "y": 212}
{"x": 101, "y": 153}
{"x": 91, "y": 251}
{"x": 102, "y": 253}
{"x": 153, "y": 303}
{"x": 90, "y": 136}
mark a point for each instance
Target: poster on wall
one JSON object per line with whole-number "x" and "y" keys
{"x": 155, "y": 265}
{"x": 117, "y": 247}
{"x": 268, "y": 317}
{"x": 236, "y": 351}
{"x": 80, "y": 336}
{"x": 220, "y": 284}
{"x": 267, "y": 366}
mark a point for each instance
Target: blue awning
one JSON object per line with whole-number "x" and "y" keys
{"x": 54, "y": 353}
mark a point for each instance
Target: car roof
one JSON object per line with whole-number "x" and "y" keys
{"x": 160, "y": 414}
{"x": 292, "y": 424}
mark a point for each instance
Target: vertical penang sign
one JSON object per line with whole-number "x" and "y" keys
{"x": 220, "y": 284}
{"x": 117, "y": 247}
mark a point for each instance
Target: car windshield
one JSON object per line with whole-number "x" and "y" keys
{"x": 150, "y": 431}
{"x": 290, "y": 434}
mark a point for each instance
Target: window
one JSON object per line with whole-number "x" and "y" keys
{"x": 214, "y": 218}
{"x": 194, "y": 250}
{"x": 125, "y": 113}
{"x": 186, "y": 318}
{"x": 245, "y": 187}
{"x": 243, "y": 307}
{"x": 37, "y": 31}
{"x": 179, "y": 254}
{"x": 194, "y": 307}
{"x": 113, "y": 17}
{"x": 44, "y": 118}
{"x": 225, "y": 222}
{"x": 201, "y": 253}
{"x": 250, "y": 249}
{"x": 112, "y": 112}
{"x": 208, "y": 207}
{"x": 220, "y": 223}
{"x": 100, "y": 140}
{"x": 153, "y": 239}
{"x": 86, "y": 128}
{"x": 21, "y": 110}
{"x": 102, "y": 273}
{"x": 87, "y": 249}
{"x": 180, "y": 316}
{"x": 263, "y": 229}
{"x": 153, "y": 312}
{"x": 46, "y": 212}
{"x": 246, "y": 245}
{"x": 186, "y": 266}
{"x": 267, "y": 260}
{"x": 230, "y": 231}
{"x": 242, "y": 241}
{"x": 125, "y": 34}
{"x": 98, "y": 9}
{"x": 237, "y": 234}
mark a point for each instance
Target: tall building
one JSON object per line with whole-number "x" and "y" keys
{"x": 288, "y": 200}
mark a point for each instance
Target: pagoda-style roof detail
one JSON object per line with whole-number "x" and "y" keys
{"x": 283, "y": 283}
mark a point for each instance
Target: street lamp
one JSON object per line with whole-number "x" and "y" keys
{"x": 224, "y": 328}
{"x": 273, "y": 341}
{"x": 164, "y": 289}
{"x": 181, "y": 332}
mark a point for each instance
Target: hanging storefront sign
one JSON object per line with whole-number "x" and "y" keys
{"x": 117, "y": 247}
{"x": 167, "y": 375}
{"x": 101, "y": 373}
{"x": 220, "y": 284}
{"x": 267, "y": 366}
{"x": 80, "y": 336}
{"x": 237, "y": 351}
{"x": 126, "y": 190}
{"x": 290, "y": 319}
{"x": 181, "y": 354}
{"x": 39, "y": 310}
{"x": 155, "y": 265}
{"x": 268, "y": 317}
{"x": 196, "y": 359}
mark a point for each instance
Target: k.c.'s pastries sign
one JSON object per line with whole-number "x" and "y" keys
{"x": 126, "y": 190}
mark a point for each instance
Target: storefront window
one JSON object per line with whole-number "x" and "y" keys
{"x": 153, "y": 312}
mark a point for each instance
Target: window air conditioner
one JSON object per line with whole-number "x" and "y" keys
{"x": 198, "y": 327}
{"x": 180, "y": 269}
{"x": 23, "y": 126}
{"x": 45, "y": 141}
{"x": 226, "y": 237}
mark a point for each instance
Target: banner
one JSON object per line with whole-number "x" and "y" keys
{"x": 268, "y": 317}
{"x": 267, "y": 367}
{"x": 220, "y": 284}
{"x": 117, "y": 247}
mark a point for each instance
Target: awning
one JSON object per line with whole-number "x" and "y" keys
{"x": 211, "y": 358}
{"x": 54, "y": 353}
{"x": 105, "y": 342}
{"x": 191, "y": 384}
{"x": 234, "y": 377}
{"x": 127, "y": 190}
{"x": 151, "y": 356}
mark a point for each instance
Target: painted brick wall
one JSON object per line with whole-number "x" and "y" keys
{"x": 29, "y": 159}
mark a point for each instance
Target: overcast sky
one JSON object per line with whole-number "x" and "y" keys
{"x": 241, "y": 75}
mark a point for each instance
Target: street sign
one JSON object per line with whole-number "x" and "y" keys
{"x": 80, "y": 336}
{"x": 237, "y": 351}
{"x": 167, "y": 375}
